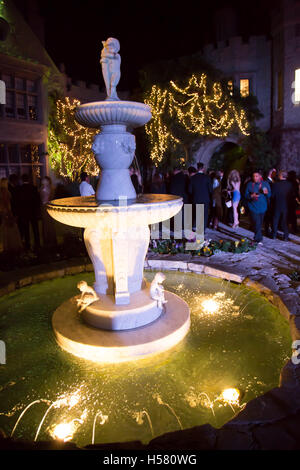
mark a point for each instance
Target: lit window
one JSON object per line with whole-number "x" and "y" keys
{"x": 244, "y": 87}
{"x": 21, "y": 98}
{"x": 230, "y": 87}
{"x": 297, "y": 86}
{"x": 32, "y": 107}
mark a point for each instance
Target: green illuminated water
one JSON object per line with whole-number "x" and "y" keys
{"x": 244, "y": 344}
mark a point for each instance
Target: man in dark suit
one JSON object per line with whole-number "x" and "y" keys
{"x": 29, "y": 211}
{"x": 200, "y": 188}
{"x": 281, "y": 195}
{"x": 179, "y": 184}
{"x": 268, "y": 220}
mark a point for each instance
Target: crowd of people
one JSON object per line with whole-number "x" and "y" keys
{"x": 271, "y": 200}
{"x": 22, "y": 205}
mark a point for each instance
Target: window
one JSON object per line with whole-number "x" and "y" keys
{"x": 8, "y": 81}
{"x": 244, "y": 87}
{"x": 297, "y": 86}
{"x": 230, "y": 87}
{"x": 21, "y": 108}
{"x": 21, "y": 98}
{"x": 13, "y": 154}
{"x": 32, "y": 107}
{"x": 25, "y": 152}
{"x": 20, "y": 159}
{"x": 20, "y": 83}
{"x": 10, "y": 104}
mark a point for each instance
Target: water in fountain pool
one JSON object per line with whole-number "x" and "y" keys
{"x": 237, "y": 340}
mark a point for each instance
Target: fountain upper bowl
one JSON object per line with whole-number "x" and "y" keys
{"x": 86, "y": 211}
{"x": 105, "y": 113}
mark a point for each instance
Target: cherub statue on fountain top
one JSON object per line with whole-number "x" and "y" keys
{"x": 111, "y": 62}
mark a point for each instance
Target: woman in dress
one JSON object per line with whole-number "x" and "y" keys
{"x": 12, "y": 242}
{"x": 217, "y": 200}
{"x": 234, "y": 185}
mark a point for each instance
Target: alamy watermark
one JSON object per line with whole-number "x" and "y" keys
{"x": 296, "y": 352}
{"x": 2, "y": 352}
{"x": 188, "y": 223}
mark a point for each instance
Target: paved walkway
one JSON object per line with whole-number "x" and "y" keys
{"x": 269, "y": 264}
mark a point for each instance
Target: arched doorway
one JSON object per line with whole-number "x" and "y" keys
{"x": 228, "y": 156}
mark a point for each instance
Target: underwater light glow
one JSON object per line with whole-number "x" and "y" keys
{"x": 210, "y": 306}
{"x": 231, "y": 396}
{"x": 63, "y": 431}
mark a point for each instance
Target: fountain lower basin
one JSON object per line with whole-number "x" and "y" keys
{"x": 243, "y": 344}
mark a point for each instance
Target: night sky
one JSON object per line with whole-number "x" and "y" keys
{"x": 147, "y": 31}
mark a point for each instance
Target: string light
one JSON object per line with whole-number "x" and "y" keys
{"x": 70, "y": 149}
{"x": 197, "y": 110}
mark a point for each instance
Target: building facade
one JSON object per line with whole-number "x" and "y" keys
{"x": 29, "y": 75}
{"x": 285, "y": 125}
{"x": 267, "y": 67}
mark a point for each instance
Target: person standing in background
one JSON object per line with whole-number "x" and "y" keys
{"x": 12, "y": 243}
{"x": 48, "y": 227}
{"x": 179, "y": 184}
{"x": 217, "y": 205}
{"x": 136, "y": 179}
{"x": 268, "y": 221}
{"x": 29, "y": 212}
{"x": 85, "y": 188}
{"x": 294, "y": 201}
{"x": 157, "y": 185}
{"x": 257, "y": 194}
{"x": 282, "y": 192}
{"x": 234, "y": 186}
{"x": 200, "y": 189}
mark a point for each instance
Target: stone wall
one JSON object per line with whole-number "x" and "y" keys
{"x": 290, "y": 150}
{"x": 238, "y": 59}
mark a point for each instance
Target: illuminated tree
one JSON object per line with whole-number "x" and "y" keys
{"x": 69, "y": 143}
{"x": 180, "y": 115}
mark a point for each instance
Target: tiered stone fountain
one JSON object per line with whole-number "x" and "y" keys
{"x": 121, "y": 320}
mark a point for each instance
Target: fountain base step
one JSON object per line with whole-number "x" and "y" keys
{"x": 105, "y": 314}
{"x": 103, "y": 346}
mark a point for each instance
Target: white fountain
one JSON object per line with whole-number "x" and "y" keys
{"x": 122, "y": 317}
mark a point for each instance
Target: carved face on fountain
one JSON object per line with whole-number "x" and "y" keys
{"x": 114, "y": 150}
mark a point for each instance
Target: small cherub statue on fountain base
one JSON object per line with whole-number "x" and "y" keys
{"x": 157, "y": 290}
{"x": 88, "y": 295}
{"x": 111, "y": 62}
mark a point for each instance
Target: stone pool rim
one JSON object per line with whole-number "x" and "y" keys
{"x": 257, "y": 426}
